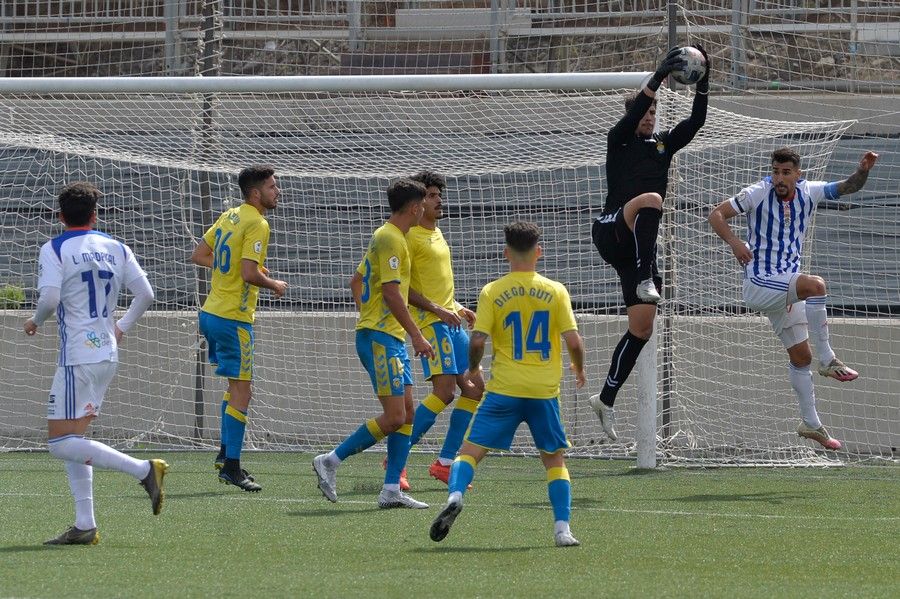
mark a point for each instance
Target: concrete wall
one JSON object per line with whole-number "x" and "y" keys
{"x": 728, "y": 386}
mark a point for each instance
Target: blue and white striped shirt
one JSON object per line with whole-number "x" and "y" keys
{"x": 776, "y": 228}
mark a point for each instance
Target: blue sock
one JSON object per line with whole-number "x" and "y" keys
{"x": 363, "y": 438}
{"x": 460, "y": 418}
{"x": 425, "y": 415}
{"x": 222, "y": 434}
{"x": 398, "y": 445}
{"x": 559, "y": 489}
{"x": 235, "y": 423}
{"x": 461, "y": 474}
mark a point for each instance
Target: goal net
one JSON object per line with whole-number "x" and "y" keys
{"x": 166, "y": 162}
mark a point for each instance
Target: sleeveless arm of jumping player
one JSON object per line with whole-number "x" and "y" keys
{"x": 143, "y": 297}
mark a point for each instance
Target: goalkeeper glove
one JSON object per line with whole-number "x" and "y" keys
{"x": 671, "y": 62}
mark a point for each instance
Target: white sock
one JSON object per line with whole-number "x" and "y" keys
{"x": 392, "y": 488}
{"x": 81, "y": 482}
{"x": 561, "y": 526}
{"x": 816, "y": 316}
{"x": 801, "y": 381}
{"x": 332, "y": 460}
{"x": 75, "y": 448}
{"x": 454, "y": 497}
{"x": 445, "y": 461}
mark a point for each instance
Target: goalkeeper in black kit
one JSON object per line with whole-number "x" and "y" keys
{"x": 637, "y": 174}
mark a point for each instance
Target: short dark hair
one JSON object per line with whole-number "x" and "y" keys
{"x": 786, "y": 155}
{"x": 77, "y": 202}
{"x": 403, "y": 191}
{"x": 631, "y": 98}
{"x": 430, "y": 179}
{"x": 522, "y": 236}
{"x": 251, "y": 177}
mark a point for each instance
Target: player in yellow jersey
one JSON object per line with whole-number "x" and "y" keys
{"x": 524, "y": 314}
{"x": 235, "y": 249}
{"x": 384, "y": 321}
{"x": 440, "y": 317}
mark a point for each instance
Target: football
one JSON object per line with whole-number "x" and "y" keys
{"x": 694, "y": 67}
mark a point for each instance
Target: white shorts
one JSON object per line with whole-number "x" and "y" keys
{"x": 78, "y": 391}
{"x": 776, "y": 297}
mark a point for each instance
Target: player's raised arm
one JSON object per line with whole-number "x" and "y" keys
{"x": 684, "y": 132}
{"x": 855, "y": 182}
{"x": 718, "y": 220}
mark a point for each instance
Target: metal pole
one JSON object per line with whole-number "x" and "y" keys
{"x": 354, "y": 25}
{"x": 854, "y": 42}
{"x": 170, "y": 15}
{"x": 738, "y": 79}
{"x": 495, "y": 36}
{"x": 210, "y": 64}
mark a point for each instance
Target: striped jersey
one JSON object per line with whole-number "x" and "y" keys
{"x": 88, "y": 267}
{"x": 776, "y": 228}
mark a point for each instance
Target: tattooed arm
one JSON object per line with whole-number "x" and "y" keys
{"x": 856, "y": 181}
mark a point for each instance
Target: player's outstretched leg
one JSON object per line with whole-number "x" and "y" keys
{"x": 153, "y": 484}
{"x": 76, "y": 536}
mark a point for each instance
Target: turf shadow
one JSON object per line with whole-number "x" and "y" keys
{"x": 198, "y": 495}
{"x": 331, "y": 512}
{"x": 452, "y": 549}
{"x": 27, "y": 548}
{"x": 771, "y": 498}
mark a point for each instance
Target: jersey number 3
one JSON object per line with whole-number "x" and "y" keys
{"x": 537, "y": 339}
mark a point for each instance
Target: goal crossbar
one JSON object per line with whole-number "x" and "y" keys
{"x": 287, "y": 84}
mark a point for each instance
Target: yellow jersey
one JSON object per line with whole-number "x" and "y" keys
{"x": 386, "y": 261}
{"x": 432, "y": 272}
{"x": 525, "y": 314}
{"x": 239, "y": 233}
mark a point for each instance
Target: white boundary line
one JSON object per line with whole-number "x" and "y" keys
{"x": 575, "y": 508}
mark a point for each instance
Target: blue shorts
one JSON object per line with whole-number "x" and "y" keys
{"x": 451, "y": 350}
{"x": 498, "y": 416}
{"x": 229, "y": 344}
{"x": 385, "y": 359}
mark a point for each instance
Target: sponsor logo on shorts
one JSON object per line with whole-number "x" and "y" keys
{"x": 90, "y": 409}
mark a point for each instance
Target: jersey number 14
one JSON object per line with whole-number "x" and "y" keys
{"x": 537, "y": 337}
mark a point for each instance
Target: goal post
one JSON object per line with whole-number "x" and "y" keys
{"x": 166, "y": 151}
